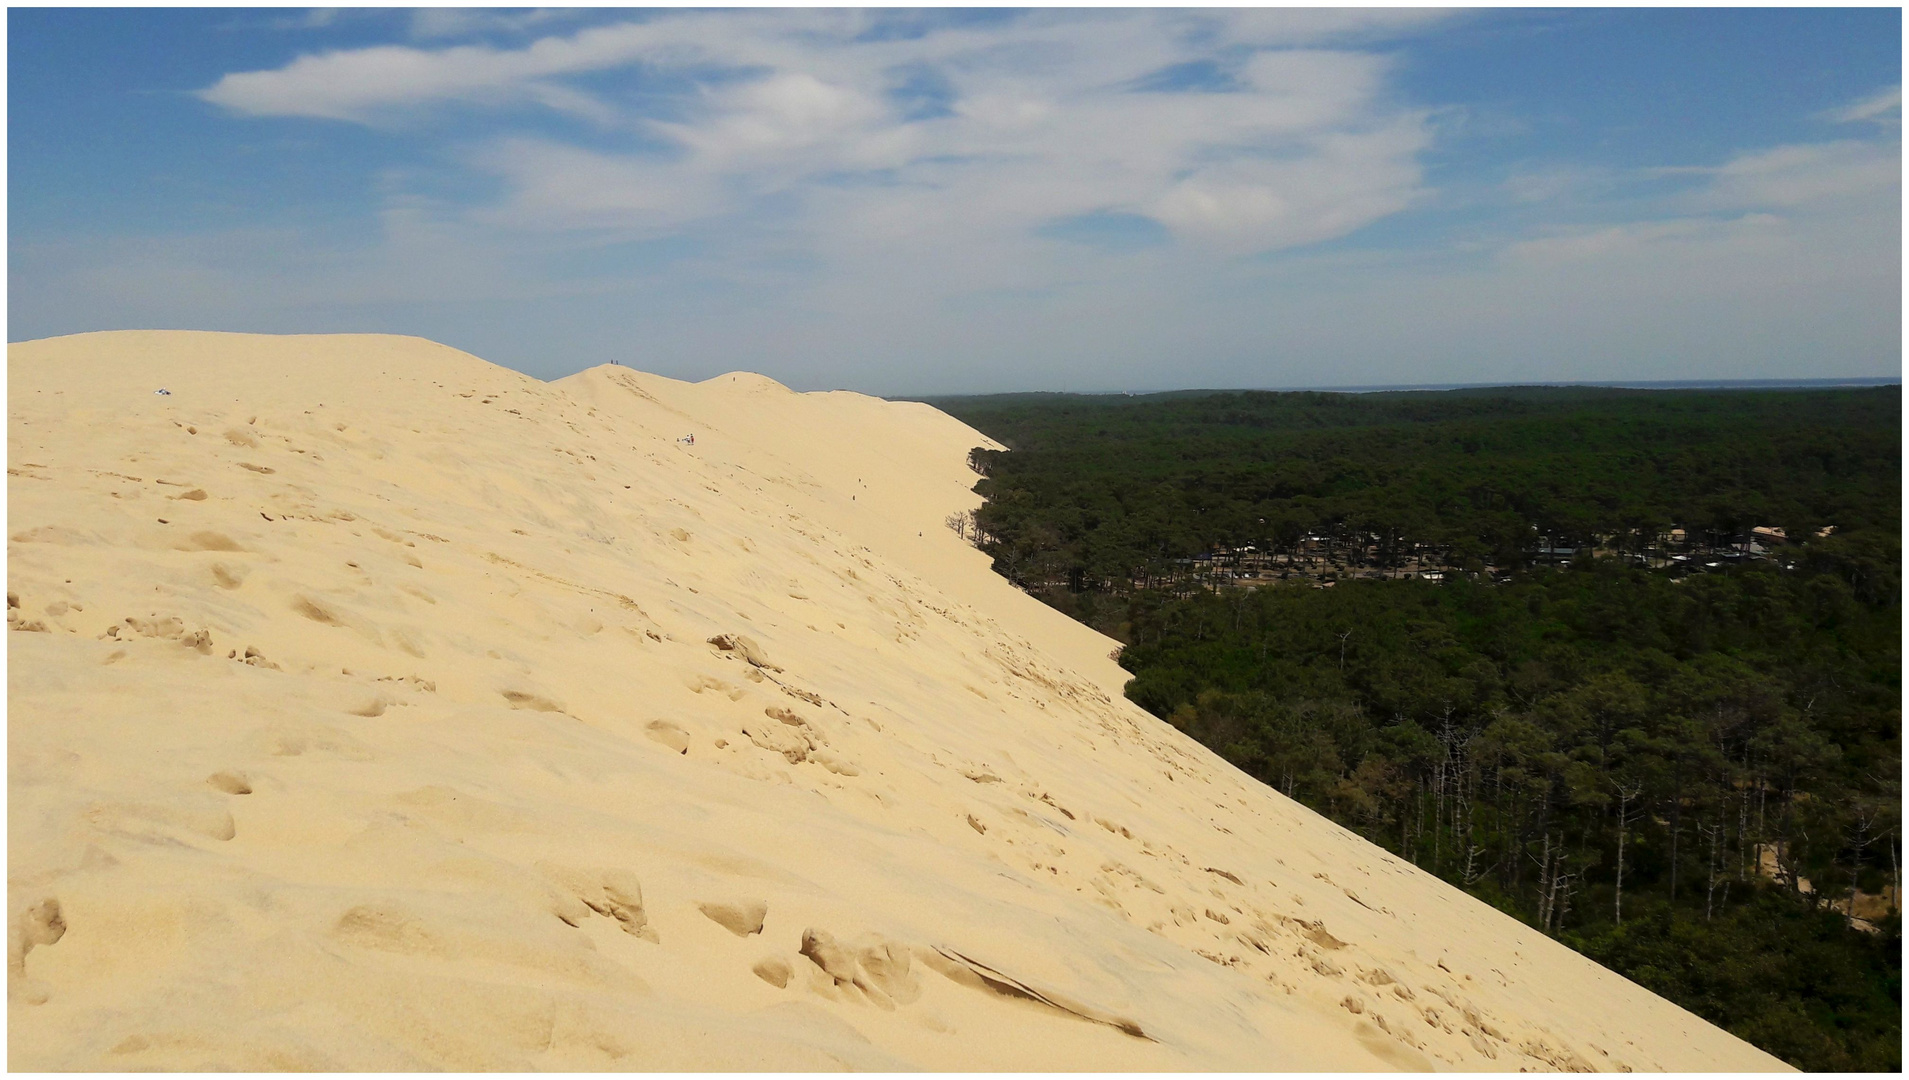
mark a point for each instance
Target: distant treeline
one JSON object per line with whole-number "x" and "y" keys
{"x": 1101, "y": 492}
{"x": 1693, "y": 780}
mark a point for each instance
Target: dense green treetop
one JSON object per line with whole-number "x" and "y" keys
{"x": 1100, "y": 488}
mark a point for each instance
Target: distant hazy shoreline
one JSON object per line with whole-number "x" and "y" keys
{"x": 1639, "y": 384}
{"x": 1853, "y": 382}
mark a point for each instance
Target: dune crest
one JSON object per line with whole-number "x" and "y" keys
{"x": 375, "y": 707}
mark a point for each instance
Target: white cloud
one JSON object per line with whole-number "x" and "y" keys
{"x": 313, "y": 19}
{"x": 554, "y": 185}
{"x": 786, "y": 115}
{"x": 1883, "y": 107}
{"x": 1271, "y": 26}
{"x": 365, "y": 84}
{"x": 1641, "y": 240}
{"x": 443, "y": 22}
{"x": 1025, "y": 121}
{"x": 1345, "y": 181}
{"x": 1803, "y": 175}
{"x": 1552, "y": 183}
{"x": 1752, "y": 203}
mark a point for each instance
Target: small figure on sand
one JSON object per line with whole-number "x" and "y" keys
{"x": 688, "y": 440}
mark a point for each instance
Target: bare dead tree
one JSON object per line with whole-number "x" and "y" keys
{"x": 1888, "y": 782}
{"x": 1712, "y": 833}
{"x": 1547, "y": 883}
{"x": 1626, "y": 795}
{"x": 1743, "y": 819}
{"x": 1472, "y": 852}
{"x": 1864, "y": 830}
{"x": 1567, "y": 884}
{"x": 1895, "y": 879}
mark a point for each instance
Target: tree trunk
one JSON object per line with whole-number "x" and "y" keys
{"x": 1623, "y": 827}
{"x": 1404, "y": 821}
{"x": 1763, "y": 798}
{"x": 1710, "y": 892}
{"x": 1676, "y": 812}
{"x": 1895, "y": 880}
{"x": 1544, "y": 884}
{"x": 1861, "y": 844}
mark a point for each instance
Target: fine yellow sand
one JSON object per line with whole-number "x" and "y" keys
{"x": 375, "y": 707}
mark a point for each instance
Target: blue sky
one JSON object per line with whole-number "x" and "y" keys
{"x": 942, "y": 202}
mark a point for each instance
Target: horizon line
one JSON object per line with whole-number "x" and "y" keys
{"x": 1853, "y": 381}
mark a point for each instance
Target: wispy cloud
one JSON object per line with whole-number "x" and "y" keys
{"x": 312, "y": 19}
{"x": 443, "y": 22}
{"x": 1555, "y": 182}
{"x": 1882, "y": 107}
{"x": 381, "y": 82}
{"x": 1809, "y": 175}
{"x": 1750, "y": 199}
{"x": 1003, "y": 126}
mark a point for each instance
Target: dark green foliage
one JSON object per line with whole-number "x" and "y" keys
{"x": 1107, "y": 490}
{"x": 1791, "y": 980}
{"x": 1736, "y": 734}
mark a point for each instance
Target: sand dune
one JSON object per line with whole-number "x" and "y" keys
{"x": 375, "y": 707}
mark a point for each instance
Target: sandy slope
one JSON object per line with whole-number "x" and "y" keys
{"x": 364, "y": 714}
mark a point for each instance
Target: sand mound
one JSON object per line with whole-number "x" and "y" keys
{"x": 374, "y": 707}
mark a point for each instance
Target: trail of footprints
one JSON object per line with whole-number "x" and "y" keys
{"x": 1208, "y": 910}
{"x": 867, "y": 969}
{"x": 1226, "y": 928}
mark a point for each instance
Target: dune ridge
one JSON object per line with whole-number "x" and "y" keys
{"x": 376, "y": 707}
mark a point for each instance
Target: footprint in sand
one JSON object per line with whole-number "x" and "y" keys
{"x": 232, "y": 783}
{"x": 38, "y": 924}
{"x": 741, "y": 918}
{"x": 880, "y": 969}
{"x": 521, "y": 699}
{"x": 613, "y": 893}
{"x": 207, "y": 540}
{"x": 774, "y": 970}
{"x": 699, "y": 683}
{"x": 181, "y": 819}
{"x": 669, "y": 734}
